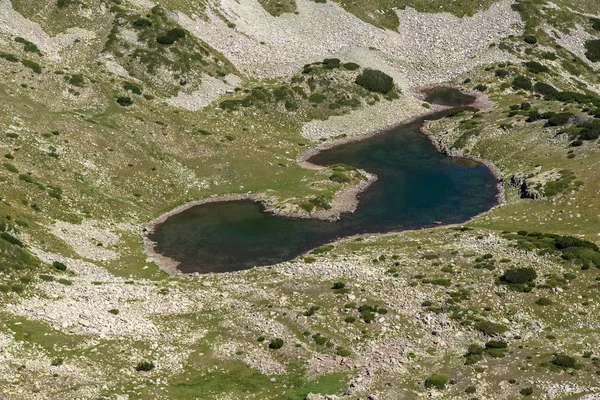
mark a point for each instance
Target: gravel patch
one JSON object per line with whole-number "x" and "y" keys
{"x": 427, "y": 47}
{"x": 210, "y": 90}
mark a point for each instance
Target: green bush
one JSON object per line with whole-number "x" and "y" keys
{"x": 47, "y": 278}
{"x": 530, "y": 39}
{"x": 436, "y": 381}
{"x": 350, "y": 320}
{"x": 11, "y": 239}
{"x": 133, "y": 88}
{"x": 32, "y": 65}
{"x": 470, "y": 389}
{"x": 501, "y": 73}
{"x": 11, "y": 168}
{"x": 375, "y": 81}
{"x": 124, "y": 101}
{"x": 522, "y": 82}
{"x": 519, "y": 276}
{"x": 57, "y": 362}
{"x": 351, "y": 66}
{"x": 558, "y": 119}
{"x": 317, "y": 98}
{"x": 595, "y": 23}
{"x": 528, "y": 391}
{"x": 496, "y": 344}
{"x": 311, "y": 311}
{"x": 59, "y": 266}
{"x": 338, "y": 285}
{"x": 490, "y": 328}
{"x": 141, "y": 23}
{"x": 320, "y": 340}
{"x": 144, "y": 366}
{"x": 544, "y": 301}
{"x": 9, "y": 57}
{"x": 535, "y": 67}
{"x": 564, "y": 361}
{"x": 592, "y": 48}
{"x": 291, "y": 105}
{"x": 343, "y": 352}
{"x": 331, "y": 63}
{"x": 76, "y": 80}
{"x": 276, "y": 344}
{"x": 171, "y": 36}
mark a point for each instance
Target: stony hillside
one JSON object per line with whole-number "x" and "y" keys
{"x": 113, "y": 112}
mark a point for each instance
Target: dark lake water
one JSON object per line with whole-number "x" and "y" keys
{"x": 417, "y": 186}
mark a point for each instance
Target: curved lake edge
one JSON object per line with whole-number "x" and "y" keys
{"x": 346, "y": 200}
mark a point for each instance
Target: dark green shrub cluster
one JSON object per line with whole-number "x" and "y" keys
{"x": 564, "y": 361}
{"x": 9, "y": 57}
{"x": 171, "y": 36}
{"x": 474, "y": 354}
{"x": 276, "y": 344}
{"x": 501, "y": 73}
{"x": 124, "y": 101}
{"x": 11, "y": 239}
{"x": 490, "y": 328}
{"x": 338, "y": 285}
{"x": 59, "y": 266}
{"x": 496, "y": 348}
{"x": 375, "y": 81}
{"x": 595, "y": 23}
{"x": 592, "y": 48}
{"x": 570, "y": 248}
{"x": 331, "y": 63}
{"x": 522, "y": 82}
{"x": 141, "y": 23}
{"x": 367, "y": 312}
{"x": 32, "y": 65}
{"x": 436, "y": 381}
{"x": 132, "y": 87}
{"x": 28, "y": 46}
{"x": 544, "y": 301}
{"x": 75, "y": 80}
{"x": 311, "y": 311}
{"x": 535, "y": 67}
{"x": 319, "y": 339}
{"x": 343, "y": 352}
{"x": 528, "y": 391}
{"x": 351, "y": 66}
{"x": 519, "y": 279}
{"x": 530, "y": 39}
{"x": 144, "y": 366}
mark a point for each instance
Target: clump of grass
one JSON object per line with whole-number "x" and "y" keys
{"x": 323, "y": 249}
{"x": 436, "y": 381}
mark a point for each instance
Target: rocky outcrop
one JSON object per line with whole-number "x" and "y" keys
{"x": 526, "y": 191}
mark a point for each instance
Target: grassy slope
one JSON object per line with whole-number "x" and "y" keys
{"x": 189, "y": 165}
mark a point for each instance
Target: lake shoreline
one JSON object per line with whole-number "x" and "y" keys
{"x": 345, "y": 201}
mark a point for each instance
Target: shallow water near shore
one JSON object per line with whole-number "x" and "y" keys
{"x": 417, "y": 187}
